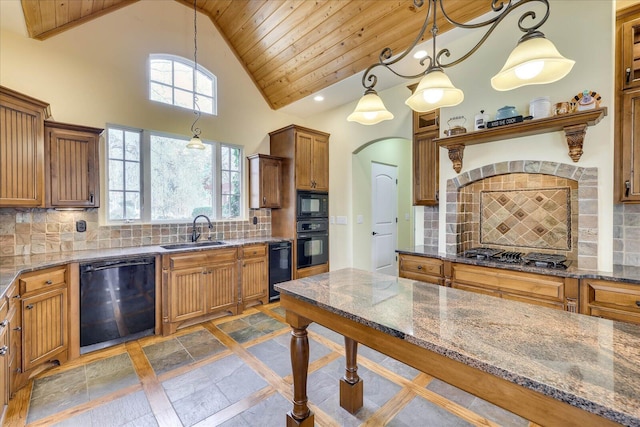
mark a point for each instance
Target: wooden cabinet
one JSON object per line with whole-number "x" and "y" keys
{"x": 255, "y": 275}
{"x": 265, "y": 173}
{"x": 627, "y": 123}
{"x": 71, "y": 165}
{"x": 15, "y": 338}
{"x": 611, "y": 300}
{"x": 420, "y": 268}
{"x": 538, "y": 289}
{"x": 309, "y": 150}
{"x": 426, "y": 158}
{"x": 21, "y": 149}
{"x": 198, "y": 285}
{"x": 5, "y": 355}
{"x": 630, "y": 51}
{"x": 311, "y": 271}
{"x": 44, "y": 312}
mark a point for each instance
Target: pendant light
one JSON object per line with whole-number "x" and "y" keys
{"x": 195, "y": 141}
{"x": 535, "y": 60}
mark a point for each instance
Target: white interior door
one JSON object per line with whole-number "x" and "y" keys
{"x": 384, "y": 217}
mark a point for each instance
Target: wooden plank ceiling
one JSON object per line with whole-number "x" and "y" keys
{"x": 290, "y": 48}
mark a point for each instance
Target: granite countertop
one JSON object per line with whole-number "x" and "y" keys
{"x": 12, "y": 266}
{"x": 587, "y": 362}
{"x": 620, "y": 273}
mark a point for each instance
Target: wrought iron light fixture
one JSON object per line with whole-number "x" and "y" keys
{"x": 535, "y": 60}
{"x": 195, "y": 141}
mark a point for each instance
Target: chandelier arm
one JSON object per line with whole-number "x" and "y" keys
{"x": 494, "y": 22}
{"x": 196, "y": 130}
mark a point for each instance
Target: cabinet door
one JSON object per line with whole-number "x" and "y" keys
{"x": 187, "y": 294}
{"x": 426, "y": 169}
{"x": 630, "y": 140}
{"x": 21, "y": 153}
{"x": 631, "y": 54}
{"x": 72, "y": 168}
{"x": 270, "y": 183}
{"x": 320, "y": 164}
{"x": 4, "y": 370}
{"x": 255, "y": 282}
{"x": 304, "y": 150}
{"x": 222, "y": 286}
{"x": 44, "y": 327}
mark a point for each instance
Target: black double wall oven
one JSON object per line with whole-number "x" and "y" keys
{"x": 312, "y": 228}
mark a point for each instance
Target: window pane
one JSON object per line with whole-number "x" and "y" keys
{"x": 226, "y": 209}
{"x": 225, "y": 183}
{"x": 115, "y": 143}
{"x": 116, "y": 205}
{"x": 116, "y": 178}
{"x": 132, "y": 176}
{"x": 204, "y": 85}
{"x": 181, "y": 179}
{"x": 132, "y": 205}
{"x": 234, "y": 206}
{"x": 160, "y": 70}
{"x": 224, "y": 157}
{"x": 205, "y": 104}
{"x": 235, "y": 183}
{"x": 160, "y": 93}
{"x": 183, "y": 76}
{"x": 183, "y": 99}
{"x": 235, "y": 159}
{"x": 132, "y": 145}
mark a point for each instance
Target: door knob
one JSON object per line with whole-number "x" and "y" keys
{"x": 373, "y": 233}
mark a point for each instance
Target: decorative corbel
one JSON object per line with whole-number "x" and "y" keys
{"x": 575, "y": 138}
{"x": 455, "y": 155}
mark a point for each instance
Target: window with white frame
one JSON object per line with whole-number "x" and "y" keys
{"x": 153, "y": 177}
{"x": 173, "y": 80}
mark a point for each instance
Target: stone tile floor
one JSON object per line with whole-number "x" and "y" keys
{"x": 235, "y": 371}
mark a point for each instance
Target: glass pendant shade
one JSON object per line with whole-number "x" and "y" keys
{"x": 196, "y": 143}
{"x": 533, "y": 61}
{"x": 435, "y": 90}
{"x": 370, "y": 110}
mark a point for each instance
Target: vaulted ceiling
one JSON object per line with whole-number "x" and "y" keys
{"x": 290, "y": 48}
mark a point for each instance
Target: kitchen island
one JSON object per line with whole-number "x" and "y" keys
{"x": 549, "y": 366}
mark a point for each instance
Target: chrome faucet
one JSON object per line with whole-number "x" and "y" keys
{"x": 194, "y": 233}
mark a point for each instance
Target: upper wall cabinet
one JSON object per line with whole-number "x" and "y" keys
{"x": 72, "y": 168}
{"x": 21, "y": 149}
{"x": 426, "y": 158}
{"x": 264, "y": 181}
{"x": 630, "y": 53}
{"x": 627, "y": 123}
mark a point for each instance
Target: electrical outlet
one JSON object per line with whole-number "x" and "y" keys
{"x": 81, "y": 226}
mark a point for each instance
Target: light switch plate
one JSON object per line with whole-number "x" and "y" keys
{"x": 341, "y": 220}
{"x": 332, "y": 219}
{"x": 360, "y": 219}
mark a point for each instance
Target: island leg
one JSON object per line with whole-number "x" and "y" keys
{"x": 301, "y": 415}
{"x": 351, "y": 387}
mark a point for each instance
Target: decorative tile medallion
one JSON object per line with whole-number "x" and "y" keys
{"x": 536, "y": 218}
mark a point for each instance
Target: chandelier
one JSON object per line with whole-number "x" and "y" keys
{"x": 535, "y": 60}
{"x": 195, "y": 141}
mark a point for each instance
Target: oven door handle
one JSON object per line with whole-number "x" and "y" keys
{"x": 312, "y": 235}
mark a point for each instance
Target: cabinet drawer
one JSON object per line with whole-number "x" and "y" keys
{"x": 42, "y": 279}
{"x": 614, "y": 294}
{"x": 254, "y": 251}
{"x": 12, "y": 296}
{"x": 528, "y": 284}
{"x": 421, "y": 265}
{"x": 198, "y": 259}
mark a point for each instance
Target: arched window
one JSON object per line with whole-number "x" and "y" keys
{"x": 171, "y": 81}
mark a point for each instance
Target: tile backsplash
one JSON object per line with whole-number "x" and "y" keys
{"x": 39, "y": 231}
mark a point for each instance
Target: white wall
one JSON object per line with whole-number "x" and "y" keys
{"x": 582, "y": 31}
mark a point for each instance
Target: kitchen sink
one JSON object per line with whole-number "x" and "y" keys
{"x": 193, "y": 245}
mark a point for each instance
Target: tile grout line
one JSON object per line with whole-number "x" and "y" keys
{"x": 161, "y": 406}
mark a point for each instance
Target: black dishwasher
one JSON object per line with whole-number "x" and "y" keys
{"x": 279, "y": 266}
{"x": 117, "y": 301}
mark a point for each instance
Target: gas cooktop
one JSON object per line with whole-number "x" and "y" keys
{"x": 535, "y": 259}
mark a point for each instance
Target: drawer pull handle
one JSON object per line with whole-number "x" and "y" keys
{"x": 16, "y": 296}
{"x": 48, "y": 282}
{"x": 29, "y": 307}
{"x": 18, "y": 370}
{"x": 4, "y": 323}
{"x": 419, "y": 267}
{"x": 3, "y": 350}
{"x": 638, "y": 303}
{"x": 17, "y": 328}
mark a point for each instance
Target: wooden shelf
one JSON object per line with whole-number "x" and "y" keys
{"x": 574, "y": 126}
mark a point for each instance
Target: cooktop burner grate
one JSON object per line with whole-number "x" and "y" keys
{"x": 481, "y": 253}
{"x": 510, "y": 257}
{"x": 546, "y": 260}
